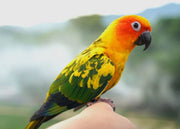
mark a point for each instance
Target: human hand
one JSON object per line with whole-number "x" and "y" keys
{"x": 97, "y": 116}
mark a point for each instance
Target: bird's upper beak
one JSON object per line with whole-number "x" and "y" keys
{"x": 144, "y": 38}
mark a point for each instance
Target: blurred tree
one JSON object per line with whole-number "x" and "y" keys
{"x": 166, "y": 37}
{"x": 165, "y": 53}
{"x": 89, "y": 27}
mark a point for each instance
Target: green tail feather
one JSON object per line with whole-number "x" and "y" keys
{"x": 34, "y": 124}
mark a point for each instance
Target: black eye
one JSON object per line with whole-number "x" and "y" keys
{"x": 136, "y": 26}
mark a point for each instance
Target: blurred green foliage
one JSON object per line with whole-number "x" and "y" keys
{"x": 166, "y": 34}
{"x": 89, "y": 27}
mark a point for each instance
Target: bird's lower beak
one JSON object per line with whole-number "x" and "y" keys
{"x": 144, "y": 39}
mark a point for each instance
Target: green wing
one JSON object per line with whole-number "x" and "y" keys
{"x": 83, "y": 81}
{"x": 80, "y": 82}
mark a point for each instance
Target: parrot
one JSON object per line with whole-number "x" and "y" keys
{"x": 95, "y": 70}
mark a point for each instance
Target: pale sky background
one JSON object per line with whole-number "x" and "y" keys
{"x": 31, "y": 12}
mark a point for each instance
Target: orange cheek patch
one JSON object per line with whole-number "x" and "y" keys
{"x": 126, "y": 36}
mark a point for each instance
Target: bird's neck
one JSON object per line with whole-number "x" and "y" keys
{"x": 118, "y": 58}
{"x": 118, "y": 47}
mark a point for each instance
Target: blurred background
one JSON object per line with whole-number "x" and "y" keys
{"x": 39, "y": 38}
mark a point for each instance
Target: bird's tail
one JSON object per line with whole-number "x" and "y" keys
{"x": 35, "y": 124}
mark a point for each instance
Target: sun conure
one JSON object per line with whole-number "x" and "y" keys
{"x": 95, "y": 70}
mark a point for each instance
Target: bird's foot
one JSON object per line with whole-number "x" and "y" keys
{"x": 108, "y": 101}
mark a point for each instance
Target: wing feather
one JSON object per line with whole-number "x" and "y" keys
{"x": 81, "y": 81}
{"x": 85, "y": 77}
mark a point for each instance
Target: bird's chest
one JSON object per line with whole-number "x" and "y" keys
{"x": 119, "y": 61}
{"x": 116, "y": 77}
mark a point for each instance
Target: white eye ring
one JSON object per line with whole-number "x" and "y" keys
{"x": 136, "y": 26}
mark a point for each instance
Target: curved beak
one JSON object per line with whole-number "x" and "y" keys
{"x": 144, "y": 39}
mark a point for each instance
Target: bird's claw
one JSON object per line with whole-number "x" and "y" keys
{"x": 108, "y": 101}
